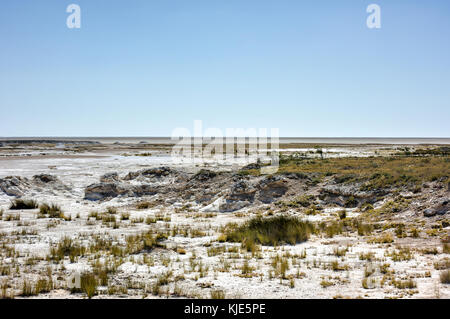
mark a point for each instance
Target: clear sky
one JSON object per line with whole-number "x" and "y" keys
{"x": 145, "y": 67}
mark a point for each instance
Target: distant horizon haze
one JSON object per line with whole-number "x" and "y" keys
{"x": 285, "y": 140}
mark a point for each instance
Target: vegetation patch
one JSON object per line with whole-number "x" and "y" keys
{"x": 53, "y": 211}
{"x": 23, "y": 204}
{"x": 272, "y": 231}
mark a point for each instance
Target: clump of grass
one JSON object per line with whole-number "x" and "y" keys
{"x": 404, "y": 284}
{"x": 325, "y": 283}
{"x": 384, "y": 268}
{"x": 445, "y": 277}
{"x": 272, "y": 231}
{"x": 66, "y": 248}
{"x": 89, "y": 284}
{"x": 280, "y": 265}
{"x": 332, "y": 228}
{"x": 53, "y": 211}
{"x": 11, "y": 217}
{"x": 125, "y": 216}
{"x": 162, "y": 280}
{"x": 27, "y": 289}
{"x": 335, "y": 266}
{"x": 215, "y": 250}
{"x": 150, "y": 220}
{"x": 145, "y": 205}
{"x": 246, "y": 268}
{"x": 446, "y": 248}
{"x": 5, "y": 293}
{"x": 303, "y": 201}
{"x": 365, "y": 283}
{"x": 361, "y": 227}
{"x": 111, "y": 210}
{"x": 142, "y": 242}
{"x": 386, "y": 238}
{"x": 430, "y": 251}
{"x": 403, "y": 254}
{"x": 415, "y": 233}
{"x": 351, "y": 202}
{"x": 367, "y": 256}
{"x": 23, "y": 204}
{"x": 340, "y": 252}
{"x": 217, "y": 294}
{"x": 396, "y": 205}
{"x": 222, "y": 238}
{"x": 43, "y": 285}
{"x": 342, "y": 214}
{"x": 442, "y": 264}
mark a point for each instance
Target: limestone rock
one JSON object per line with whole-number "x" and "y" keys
{"x": 271, "y": 188}
{"x": 14, "y": 185}
{"x": 109, "y": 178}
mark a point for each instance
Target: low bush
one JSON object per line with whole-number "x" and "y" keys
{"x": 23, "y": 204}
{"x": 272, "y": 231}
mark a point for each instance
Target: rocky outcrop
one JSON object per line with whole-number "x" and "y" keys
{"x": 251, "y": 166}
{"x": 142, "y": 190}
{"x": 204, "y": 175}
{"x": 150, "y": 173}
{"x": 441, "y": 209}
{"x": 242, "y": 191}
{"x": 271, "y": 188}
{"x": 241, "y": 194}
{"x": 45, "y": 178}
{"x": 14, "y": 185}
{"x": 103, "y": 191}
{"x": 348, "y": 195}
{"x": 109, "y": 178}
{"x": 18, "y": 186}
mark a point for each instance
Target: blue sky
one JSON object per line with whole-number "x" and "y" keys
{"x": 145, "y": 67}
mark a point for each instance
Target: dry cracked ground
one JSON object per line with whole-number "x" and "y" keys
{"x": 100, "y": 222}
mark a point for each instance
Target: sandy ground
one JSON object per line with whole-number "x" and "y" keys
{"x": 195, "y": 269}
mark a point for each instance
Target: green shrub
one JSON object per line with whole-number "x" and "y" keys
{"x": 23, "y": 204}
{"x": 66, "y": 248}
{"x": 89, "y": 284}
{"x": 53, "y": 211}
{"x": 27, "y": 289}
{"x": 445, "y": 277}
{"x": 351, "y": 202}
{"x": 217, "y": 294}
{"x": 404, "y": 284}
{"x": 111, "y": 210}
{"x": 272, "y": 231}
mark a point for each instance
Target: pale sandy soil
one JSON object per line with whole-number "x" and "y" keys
{"x": 194, "y": 272}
